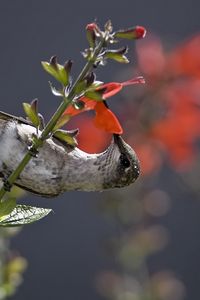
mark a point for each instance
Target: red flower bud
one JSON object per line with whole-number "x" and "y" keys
{"x": 136, "y": 32}
{"x": 92, "y": 32}
{"x": 91, "y": 26}
{"x": 140, "y": 32}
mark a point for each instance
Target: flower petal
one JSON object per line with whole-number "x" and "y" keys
{"x": 89, "y": 104}
{"x": 139, "y": 79}
{"x": 111, "y": 89}
{"x": 106, "y": 120}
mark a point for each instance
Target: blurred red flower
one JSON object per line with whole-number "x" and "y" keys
{"x": 167, "y": 110}
{"x": 161, "y": 120}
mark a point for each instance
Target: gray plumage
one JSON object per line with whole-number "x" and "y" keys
{"x": 59, "y": 167}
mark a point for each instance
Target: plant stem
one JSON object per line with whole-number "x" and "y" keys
{"x": 38, "y": 142}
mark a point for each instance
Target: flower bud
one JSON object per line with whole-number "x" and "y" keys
{"x": 136, "y": 32}
{"x": 117, "y": 55}
{"x": 59, "y": 72}
{"x": 92, "y": 31}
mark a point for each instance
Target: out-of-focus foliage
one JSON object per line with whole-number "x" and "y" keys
{"x": 12, "y": 265}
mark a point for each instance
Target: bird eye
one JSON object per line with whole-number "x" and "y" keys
{"x": 124, "y": 161}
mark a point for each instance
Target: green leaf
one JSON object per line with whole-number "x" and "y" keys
{"x": 57, "y": 71}
{"x": 67, "y": 136}
{"x": 6, "y": 207}
{"x": 23, "y": 214}
{"x": 31, "y": 114}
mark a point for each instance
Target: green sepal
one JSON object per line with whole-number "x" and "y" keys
{"x": 68, "y": 66}
{"x": 57, "y": 71}
{"x": 95, "y": 95}
{"x": 81, "y": 87}
{"x": 96, "y": 84}
{"x": 131, "y": 33}
{"x": 23, "y": 214}
{"x": 6, "y": 207}
{"x": 90, "y": 78}
{"x": 34, "y": 105}
{"x": 91, "y": 37}
{"x": 117, "y": 57}
{"x": 67, "y": 136}
{"x": 31, "y": 114}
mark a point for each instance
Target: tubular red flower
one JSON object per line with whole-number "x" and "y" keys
{"x": 104, "y": 119}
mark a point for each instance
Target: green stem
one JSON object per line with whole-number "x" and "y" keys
{"x": 51, "y": 124}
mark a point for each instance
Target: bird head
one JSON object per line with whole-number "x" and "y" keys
{"x": 123, "y": 164}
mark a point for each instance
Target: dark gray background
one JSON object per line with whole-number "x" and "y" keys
{"x": 65, "y": 250}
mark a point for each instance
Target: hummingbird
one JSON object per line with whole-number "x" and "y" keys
{"x": 60, "y": 167}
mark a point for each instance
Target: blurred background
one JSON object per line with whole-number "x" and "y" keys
{"x": 141, "y": 242}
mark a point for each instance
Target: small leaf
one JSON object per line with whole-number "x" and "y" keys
{"x": 68, "y": 66}
{"x": 57, "y": 71}
{"x": 62, "y": 121}
{"x": 6, "y": 207}
{"x": 90, "y": 78}
{"x": 49, "y": 68}
{"x": 31, "y": 114}
{"x": 63, "y": 76}
{"x": 53, "y": 62}
{"x": 23, "y": 214}
{"x": 66, "y": 136}
{"x": 34, "y": 105}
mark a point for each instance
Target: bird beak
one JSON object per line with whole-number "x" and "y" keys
{"x": 118, "y": 141}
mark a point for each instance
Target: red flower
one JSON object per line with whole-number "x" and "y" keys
{"x": 167, "y": 112}
{"x": 90, "y": 138}
{"x": 104, "y": 119}
{"x": 185, "y": 60}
